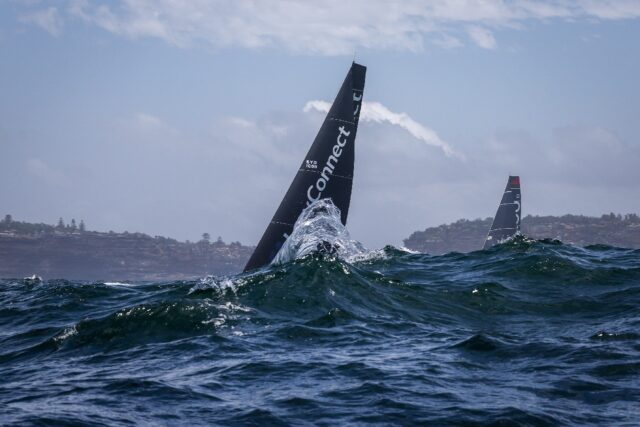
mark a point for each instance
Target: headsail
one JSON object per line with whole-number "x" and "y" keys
{"x": 325, "y": 172}
{"x": 507, "y": 220}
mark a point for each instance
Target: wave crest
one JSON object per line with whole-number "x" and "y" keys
{"x": 319, "y": 229}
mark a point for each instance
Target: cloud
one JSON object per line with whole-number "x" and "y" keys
{"x": 378, "y": 113}
{"x": 612, "y": 9}
{"x": 333, "y": 27}
{"x": 576, "y": 169}
{"x": 151, "y": 129}
{"x": 482, "y": 37}
{"x": 230, "y": 178}
{"x": 593, "y": 156}
{"x": 42, "y": 170}
{"x": 48, "y": 19}
{"x": 257, "y": 144}
{"x": 148, "y": 122}
{"x": 446, "y": 41}
{"x": 260, "y": 157}
{"x": 581, "y": 156}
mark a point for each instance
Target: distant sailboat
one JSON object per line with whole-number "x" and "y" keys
{"x": 506, "y": 223}
{"x": 325, "y": 172}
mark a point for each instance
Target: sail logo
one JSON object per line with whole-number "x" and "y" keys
{"x": 327, "y": 170}
{"x": 312, "y": 164}
{"x": 357, "y": 98}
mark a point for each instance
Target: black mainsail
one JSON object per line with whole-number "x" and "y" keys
{"x": 325, "y": 172}
{"x": 507, "y": 220}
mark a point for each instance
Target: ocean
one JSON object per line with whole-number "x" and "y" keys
{"x": 526, "y": 333}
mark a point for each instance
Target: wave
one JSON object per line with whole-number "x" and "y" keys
{"x": 519, "y": 275}
{"x": 319, "y": 229}
{"x": 392, "y": 335}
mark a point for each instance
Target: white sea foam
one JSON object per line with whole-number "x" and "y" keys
{"x": 66, "y": 333}
{"x": 226, "y": 312}
{"x": 319, "y": 228}
{"x": 219, "y": 284}
{"x": 117, "y": 284}
{"x": 406, "y": 249}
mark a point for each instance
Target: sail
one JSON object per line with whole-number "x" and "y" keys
{"x": 507, "y": 220}
{"x": 325, "y": 172}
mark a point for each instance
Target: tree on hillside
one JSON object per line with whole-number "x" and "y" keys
{"x": 206, "y": 237}
{"x": 60, "y": 223}
{"x": 74, "y": 227}
{"x": 631, "y": 217}
{"x": 8, "y": 219}
{"x": 82, "y": 227}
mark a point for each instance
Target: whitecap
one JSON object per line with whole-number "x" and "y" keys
{"x": 117, "y": 284}
{"x": 66, "y": 333}
{"x": 319, "y": 228}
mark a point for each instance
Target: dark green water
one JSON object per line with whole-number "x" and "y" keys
{"x": 523, "y": 334}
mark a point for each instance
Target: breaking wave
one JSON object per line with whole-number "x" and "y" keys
{"x": 319, "y": 229}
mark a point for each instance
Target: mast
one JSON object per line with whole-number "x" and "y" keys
{"x": 507, "y": 220}
{"x": 325, "y": 172}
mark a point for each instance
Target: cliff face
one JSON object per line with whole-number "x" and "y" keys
{"x": 467, "y": 236}
{"x": 53, "y": 253}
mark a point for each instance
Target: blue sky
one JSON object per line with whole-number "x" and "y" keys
{"x": 178, "y": 118}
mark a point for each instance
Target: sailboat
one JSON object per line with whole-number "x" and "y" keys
{"x": 506, "y": 223}
{"x": 325, "y": 172}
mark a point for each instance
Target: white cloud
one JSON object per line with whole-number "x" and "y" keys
{"x": 40, "y": 169}
{"x": 378, "y": 113}
{"x": 48, "y": 19}
{"x": 150, "y": 129}
{"x": 241, "y": 122}
{"x": 612, "y": 9}
{"x": 482, "y": 37}
{"x": 334, "y": 27}
{"x": 585, "y": 156}
{"x": 232, "y": 178}
{"x": 322, "y": 106}
{"x": 148, "y": 122}
{"x": 447, "y": 41}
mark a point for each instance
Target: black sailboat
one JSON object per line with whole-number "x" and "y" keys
{"x": 506, "y": 223}
{"x": 325, "y": 172}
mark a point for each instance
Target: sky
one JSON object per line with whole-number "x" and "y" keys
{"x": 177, "y": 118}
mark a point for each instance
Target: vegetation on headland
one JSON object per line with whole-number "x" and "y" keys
{"x": 70, "y": 251}
{"x": 466, "y": 236}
